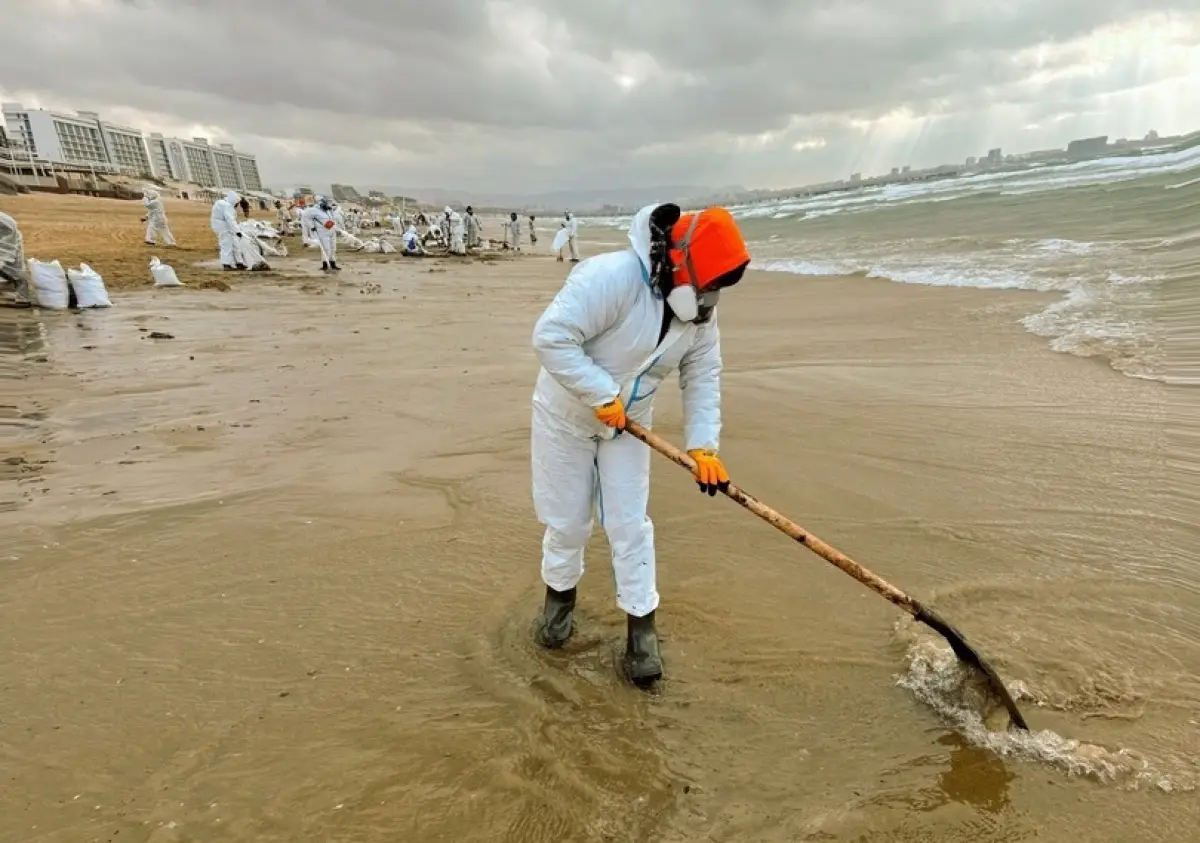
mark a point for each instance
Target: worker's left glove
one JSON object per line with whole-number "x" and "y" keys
{"x": 238, "y": 233}
{"x": 710, "y": 472}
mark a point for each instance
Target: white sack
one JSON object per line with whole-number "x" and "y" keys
{"x": 49, "y": 284}
{"x": 89, "y": 287}
{"x": 164, "y": 276}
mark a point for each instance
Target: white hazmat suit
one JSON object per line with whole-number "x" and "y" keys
{"x": 225, "y": 225}
{"x": 474, "y": 229}
{"x": 599, "y": 340}
{"x": 319, "y": 224}
{"x": 458, "y": 243}
{"x": 156, "y": 218}
{"x": 621, "y": 324}
{"x": 572, "y": 226}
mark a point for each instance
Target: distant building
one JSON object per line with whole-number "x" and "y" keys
{"x": 907, "y": 168}
{"x": 1087, "y": 147}
{"x": 995, "y": 156}
{"x": 378, "y": 195}
{"x": 218, "y": 167}
{"x": 972, "y": 160}
{"x": 855, "y": 178}
{"x": 84, "y": 139}
{"x": 1151, "y": 135}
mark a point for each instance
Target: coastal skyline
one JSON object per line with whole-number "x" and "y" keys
{"x": 526, "y": 96}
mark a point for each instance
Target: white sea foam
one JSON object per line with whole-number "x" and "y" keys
{"x": 936, "y": 677}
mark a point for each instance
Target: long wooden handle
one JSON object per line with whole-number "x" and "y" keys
{"x": 827, "y": 552}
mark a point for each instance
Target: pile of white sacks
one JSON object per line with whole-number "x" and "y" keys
{"x": 51, "y": 286}
{"x": 379, "y": 245}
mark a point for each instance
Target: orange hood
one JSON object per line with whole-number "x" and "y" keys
{"x": 708, "y": 245}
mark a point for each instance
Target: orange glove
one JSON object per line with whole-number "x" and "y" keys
{"x": 612, "y": 414}
{"x": 710, "y": 472}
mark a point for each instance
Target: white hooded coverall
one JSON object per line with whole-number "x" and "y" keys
{"x": 514, "y": 228}
{"x": 225, "y": 225}
{"x": 572, "y": 227}
{"x": 156, "y": 219}
{"x": 313, "y": 221}
{"x": 598, "y": 340}
{"x": 458, "y": 244}
{"x": 473, "y": 231}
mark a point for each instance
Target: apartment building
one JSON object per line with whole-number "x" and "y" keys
{"x": 85, "y": 139}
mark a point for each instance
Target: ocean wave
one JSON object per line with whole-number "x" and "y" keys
{"x": 1100, "y": 313}
{"x": 1187, "y": 183}
{"x": 1034, "y": 179}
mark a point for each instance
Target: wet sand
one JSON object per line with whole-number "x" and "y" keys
{"x": 274, "y": 579}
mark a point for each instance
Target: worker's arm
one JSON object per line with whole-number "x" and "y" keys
{"x": 587, "y": 305}
{"x": 700, "y": 380}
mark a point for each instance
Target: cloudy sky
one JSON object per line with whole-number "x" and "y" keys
{"x": 539, "y": 95}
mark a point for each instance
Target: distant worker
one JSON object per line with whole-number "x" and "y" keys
{"x": 318, "y": 223}
{"x": 474, "y": 229}
{"x": 572, "y": 226}
{"x": 225, "y": 225}
{"x": 458, "y": 243}
{"x": 514, "y": 230}
{"x": 532, "y": 230}
{"x": 156, "y": 219}
{"x": 412, "y": 242}
{"x": 244, "y": 204}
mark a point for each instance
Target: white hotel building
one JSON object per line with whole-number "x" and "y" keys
{"x": 84, "y": 139}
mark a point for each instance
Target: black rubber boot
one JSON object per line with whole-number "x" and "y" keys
{"x": 643, "y": 660}
{"x": 324, "y": 266}
{"x": 558, "y": 618}
{"x": 335, "y": 267}
{"x": 227, "y": 267}
{"x": 241, "y": 267}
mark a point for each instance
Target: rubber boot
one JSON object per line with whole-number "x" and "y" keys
{"x": 643, "y": 660}
{"x": 241, "y": 267}
{"x": 227, "y": 267}
{"x": 558, "y": 618}
{"x": 334, "y": 267}
{"x": 324, "y": 266}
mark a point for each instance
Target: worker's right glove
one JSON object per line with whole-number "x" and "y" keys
{"x": 238, "y": 233}
{"x": 710, "y": 472}
{"x": 612, "y": 414}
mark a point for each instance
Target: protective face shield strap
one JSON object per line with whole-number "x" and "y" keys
{"x": 685, "y": 246}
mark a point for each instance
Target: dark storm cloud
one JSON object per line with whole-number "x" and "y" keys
{"x": 508, "y": 93}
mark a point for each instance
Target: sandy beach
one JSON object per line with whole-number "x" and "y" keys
{"x": 273, "y": 579}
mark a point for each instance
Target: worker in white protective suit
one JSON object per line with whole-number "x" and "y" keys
{"x": 224, "y": 224}
{"x": 514, "y": 231}
{"x": 572, "y": 226}
{"x": 620, "y": 325}
{"x": 412, "y": 242}
{"x": 458, "y": 231}
{"x": 474, "y": 228}
{"x": 156, "y": 219}
{"x": 319, "y": 224}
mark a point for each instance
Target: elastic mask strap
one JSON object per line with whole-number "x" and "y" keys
{"x": 687, "y": 253}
